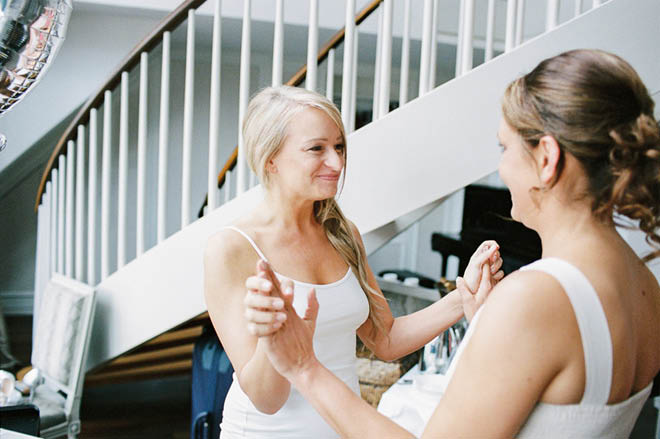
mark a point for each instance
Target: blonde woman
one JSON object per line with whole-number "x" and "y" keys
{"x": 569, "y": 345}
{"x": 296, "y": 145}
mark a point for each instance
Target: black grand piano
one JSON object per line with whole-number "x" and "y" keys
{"x": 487, "y": 215}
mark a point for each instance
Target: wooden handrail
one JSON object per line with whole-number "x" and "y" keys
{"x": 176, "y": 17}
{"x": 295, "y": 81}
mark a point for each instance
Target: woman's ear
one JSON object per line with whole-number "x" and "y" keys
{"x": 548, "y": 156}
{"x": 272, "y": 168}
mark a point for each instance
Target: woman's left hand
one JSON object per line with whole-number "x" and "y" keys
{"x": 287, "y": 337}
{"x": 472, "y": 300}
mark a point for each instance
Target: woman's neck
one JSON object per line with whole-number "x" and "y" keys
{"x": 561, "y": 225}
{"x": 293, "y": 214}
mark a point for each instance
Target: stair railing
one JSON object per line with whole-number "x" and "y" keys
{"x": 68, "y": 196}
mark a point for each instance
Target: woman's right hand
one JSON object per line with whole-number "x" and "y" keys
{"x": 269, "y": 311}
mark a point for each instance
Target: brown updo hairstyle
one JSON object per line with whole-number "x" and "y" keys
{"x": 596, "y": 107}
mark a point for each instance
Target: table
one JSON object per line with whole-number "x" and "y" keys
{"x": 9, "y": 434}
{"x": 410, "y": 401}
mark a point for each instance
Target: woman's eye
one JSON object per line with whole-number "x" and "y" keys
{"x": 339, "y": 147}
{"x": 316, "y": 148}
{"x": 502, "y": 147}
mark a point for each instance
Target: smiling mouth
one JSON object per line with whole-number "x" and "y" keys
{"x": 329, "y": 177}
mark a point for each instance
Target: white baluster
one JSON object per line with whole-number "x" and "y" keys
{"x": 41, "y": 269}
{"x": 188, "y": 115}
{"x": 142, "y": 153}
{"x": 434, "y": 46}
{"x": 597, "y": 3}
{"x": 52, "y": 231}
{"x": 242, "y": 171}
{"x": 70, "y": 194}
{"x": 426, "y": 48}
{"x": 278, "y": 43}
{"x": 312, "y": 45}
{"x": 330, "y": 78}
{"x": 347, "y": 73}
{"x": 352, "y": 113}
{"x": 227, "y": 186}
{"x": 468, "y": 29}
{"x": 509, "y": 40}
{"x": 214, "y": 110}
{"x": 386, "y": 60}
{"x": 122, "y": 185}
{"x": 163, "y": 138}
{"x": 377, "y": 65}
{"x": 53, "y": 221}
{"x": 405, "y": 55}
{"x": 80, "y": 201}
{"x": 520, "y": 22}
{"x": 105, "y": 185}
{"x": 61, "y": 214}
{"x": 91, "y": 199}
{"x": 578, "y": 7}
{"x": 490, "y": 30}
{"x": 552, "y": 15}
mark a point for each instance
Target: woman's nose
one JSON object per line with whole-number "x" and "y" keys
{"x": 334, "y": 160}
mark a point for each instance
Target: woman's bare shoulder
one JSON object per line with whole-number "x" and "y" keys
{"x": 227, "y": 252}
{"x": 529, "y": 300}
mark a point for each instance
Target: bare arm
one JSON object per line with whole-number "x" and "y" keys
{"x": 228, "y": 262}
{"x": 508, "y": 364}
{"x": 512, "y": 357}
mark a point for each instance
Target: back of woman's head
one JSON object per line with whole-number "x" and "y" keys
{"x": 267, "y": 118}
{"x": 596, "y": 107}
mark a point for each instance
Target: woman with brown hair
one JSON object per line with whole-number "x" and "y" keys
{"x": 569, "y": 345}
{"x": 296, "y": 145}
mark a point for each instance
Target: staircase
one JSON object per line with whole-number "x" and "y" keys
{"x": 95, "y": 223}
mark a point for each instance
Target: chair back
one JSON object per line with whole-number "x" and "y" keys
{"x": 62, "y": 336}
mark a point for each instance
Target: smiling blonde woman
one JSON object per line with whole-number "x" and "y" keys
{"x": 296, "y": 145}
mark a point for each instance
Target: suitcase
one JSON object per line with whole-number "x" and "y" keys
{"x": 211, "y": 378}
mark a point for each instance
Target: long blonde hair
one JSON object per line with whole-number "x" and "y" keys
{"x": 264, "y": 131}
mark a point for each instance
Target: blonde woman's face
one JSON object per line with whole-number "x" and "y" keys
{"x": 310, "y": 162}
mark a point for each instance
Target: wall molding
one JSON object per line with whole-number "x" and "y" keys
{"x": 17, "y": 302}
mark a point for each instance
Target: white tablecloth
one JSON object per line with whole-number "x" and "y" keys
{"x": 410, "y": 402}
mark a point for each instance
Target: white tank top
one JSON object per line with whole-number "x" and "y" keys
{"x": 343, "y": 308}
{"x": 592, "y": 417}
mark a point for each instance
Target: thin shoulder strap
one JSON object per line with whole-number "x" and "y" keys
{"x": 591, "y": 319}
{"x": 250, "y": 240}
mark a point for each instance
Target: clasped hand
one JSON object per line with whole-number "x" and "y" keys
{"x": 288, "y": 337}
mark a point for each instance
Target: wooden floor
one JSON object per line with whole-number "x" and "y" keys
{"x": 142, "y": 410}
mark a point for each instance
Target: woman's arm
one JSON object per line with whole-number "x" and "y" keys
{"x": 513, "y": 356}
{"x": 408, "y": 333}
{"x": 228, "y": 262}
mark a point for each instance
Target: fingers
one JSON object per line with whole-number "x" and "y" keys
{"x": 498, "y": 276}
{"x": 264, "y": 271}
{"x": 259, "y": 285}
{"x": 485, "y": 284}
{"x": 287, "y": 291}
{"x": 312, "y": 306}
{"x": 495, "y": 262}
{"x": 269, "y": 303}
{"x": 262, "y": 330}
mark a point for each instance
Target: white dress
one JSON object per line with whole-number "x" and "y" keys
{"x": 343, "y": 307}
{"x": 592, "y": 417}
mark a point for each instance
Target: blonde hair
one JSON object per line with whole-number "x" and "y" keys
{"x": 264, "y": 132}
{"x": 597, "y": 108}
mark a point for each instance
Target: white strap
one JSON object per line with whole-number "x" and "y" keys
{"x": 250, "y": 240}
{"x": 595, "y": 333}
